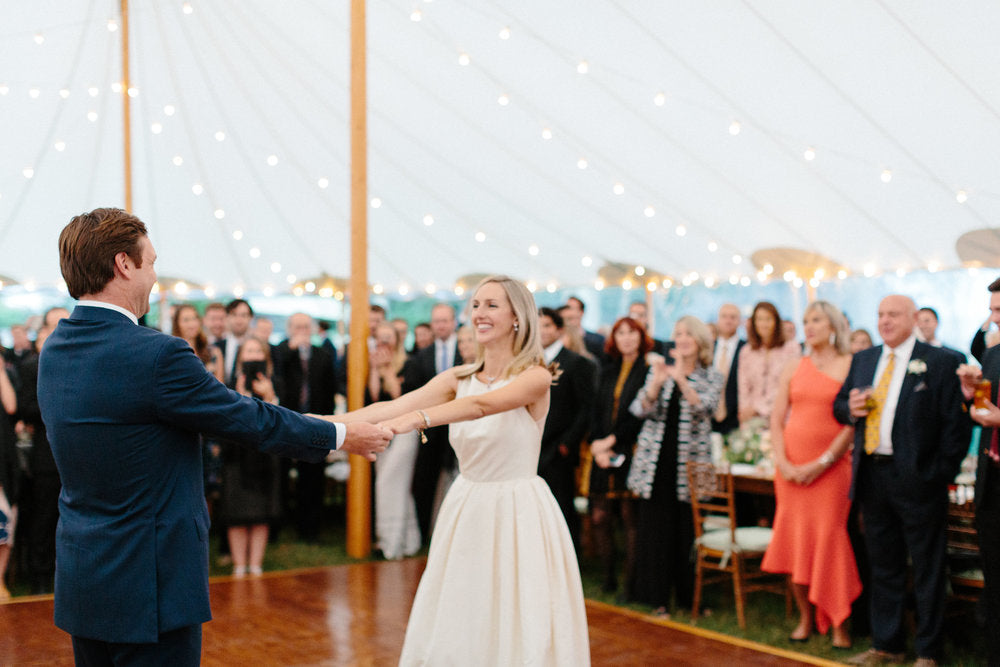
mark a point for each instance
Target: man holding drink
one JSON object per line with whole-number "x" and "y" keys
{"x": 910, "y": 436}
{"x": 978, "y": 386}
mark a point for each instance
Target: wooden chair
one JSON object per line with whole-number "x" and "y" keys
{"x": 965, "y": 570}
{"x": 723, "y": 548}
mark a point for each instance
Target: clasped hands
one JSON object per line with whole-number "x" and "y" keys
{"x": 368, "y": 440}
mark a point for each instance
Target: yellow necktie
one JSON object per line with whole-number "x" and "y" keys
{"x": 874, "y": 419}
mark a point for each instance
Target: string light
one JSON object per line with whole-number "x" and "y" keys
{"x": 649, "y": 211}
{"x": 377, "y": 288}
{"x": 156, "y": 128}
{"x": 869, "y": 270}
{"x": 640, "y": 270}
{"x": 430, "y": 288}
{"x": 404, "y": 289}
{"x": 34, "y": 93}
{"x": 178, "y": 160}
{"x": 533, "y": 250}
{"x": 272, "y": 160}
{"x": 197, "y": 188}
{"x": 290, "y": 278}
{"x": 64, "y": 93}
{"x": 961, "y": 196}
{"x": 582, "y": 67}
{"x": 745, "y": 281}
{"x": 416, "y": 15}
{"x": 659, "y": 99}
{"x": 323, "y": 183}
{"x": 587, "y": 261}
{"x": 626, "y": 284}
{"x": 551, "y": 287}
{"x": 503, "y": 100}
{"x": 237, "y": 235}
{"x": 219, "y": 214}
{"x": 504, "y": 33}
{"x": 310, "y": 286}
{"x": 735, "y": 127}
{"x": 60, "y": 146}
{"x": 737, "y": 259}
{"x": 532, "y": 286}
{"x": 712, "y": 246}
{"x": 546, "y": 133}
{"x": 93, "y": 91}
{"x": 463, "y": 59}
{"x": 4, "y": 89}
{"x": 39, "y": 38}
{"x": 169, "y": 110}
{"x": 376, "y": 202}
{"x": 618, "y": 189}
{"x": 581, "y": 163}
{"x": 187, "y": 8}
{"x": 480, "y": 237}
{"x": 28, "y": 172}
{"x": 428, "y": 220}
{"x": 220, "y": 135}
{"x": 255, "y": 252}
{"x": 886, "y": 175}
{"x": 599, "y": 284}
{"x": 459, "y": 290}
{"x": 681, "y": 230}
{"x": 809, "y": 154}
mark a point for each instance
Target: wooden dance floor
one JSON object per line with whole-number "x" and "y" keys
{"x": 356, "y": 615}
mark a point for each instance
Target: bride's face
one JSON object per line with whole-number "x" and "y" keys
{"x": 491, "y": 314}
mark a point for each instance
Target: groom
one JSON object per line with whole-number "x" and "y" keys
{"x": 123, "y": 405}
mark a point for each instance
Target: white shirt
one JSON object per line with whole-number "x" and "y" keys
{"x": 110, "y": 306}
{"x": 552, "y": 351}
{"x": 449, "y": 352}
{"x": 729, "y": 345}
{"x": 903, "y": 354}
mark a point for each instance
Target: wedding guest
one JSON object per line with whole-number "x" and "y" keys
{"x": 8, "y": 476}
{"x": 572, "y": 314}
{"x": 423, "y": 336}
{"x": 613, "y": 435}
{"x": 812, "y": 481}
{"x": 188, "y": 325}
{"x": 251, "y": 480}
{"x": 761, "y": 362}
{"x": 677, "y": 403}
{"x": 466, "y": 344}
{"x": 860, "y": 340}
{"x": 215, "y": 322}
{"x": 397, "y": 533}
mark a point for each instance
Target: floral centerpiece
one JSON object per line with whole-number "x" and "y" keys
{"x": 750, "y": 443}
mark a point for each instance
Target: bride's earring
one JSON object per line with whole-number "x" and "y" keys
{"x": 515, "y": 326}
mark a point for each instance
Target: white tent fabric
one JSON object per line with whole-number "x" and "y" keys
{"x": 540, "y": 139}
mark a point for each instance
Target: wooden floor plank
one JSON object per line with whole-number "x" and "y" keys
{"x": 356, "y": 615}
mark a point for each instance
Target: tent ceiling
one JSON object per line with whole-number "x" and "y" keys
{"x": 693, "y": 120}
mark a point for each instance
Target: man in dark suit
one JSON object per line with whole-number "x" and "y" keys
{"x": 570, "y": 404}
{"x": 927, "y": 324}
{"x": 123, "y": 406}
{"x": 434, "y": 456}
{"x": 573, "y": 319}
{"x": 306, "y": 383}
{"x": 988, "y": 473}
{"x": 239, "y": 314}
{"x": 910, "y": 436}
{"x": 726, "y": 360}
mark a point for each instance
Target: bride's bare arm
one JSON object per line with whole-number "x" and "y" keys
{"x": 439, "y": 389}
{"x": 527, "y": 388}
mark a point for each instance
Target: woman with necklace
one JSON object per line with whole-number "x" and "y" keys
{"x": 502, "y": 585}
{"x": 812, "y": 481}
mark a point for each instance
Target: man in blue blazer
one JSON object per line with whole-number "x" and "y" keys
{"x": 123, "y": 406}
{"x": 910, "y": 436}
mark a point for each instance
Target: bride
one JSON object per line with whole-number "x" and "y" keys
{"x": 502, "y": 584}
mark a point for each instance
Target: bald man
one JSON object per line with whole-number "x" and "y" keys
{"x": 905, "y": 402}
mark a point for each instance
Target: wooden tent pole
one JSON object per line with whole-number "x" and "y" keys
{"x": 126, "y": 109}
{"x": 359, "y": 484}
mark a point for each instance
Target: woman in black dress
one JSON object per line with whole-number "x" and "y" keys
{"x": 613, "y": 434}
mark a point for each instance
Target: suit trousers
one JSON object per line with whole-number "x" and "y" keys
{"x": 177, "y": 648}
{"x": 900, "y": 515}
{"x": 560, "y": 475}
{"x": 988, "y": 527}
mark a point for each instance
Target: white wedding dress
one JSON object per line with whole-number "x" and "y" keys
{"x": 502, "y": 584}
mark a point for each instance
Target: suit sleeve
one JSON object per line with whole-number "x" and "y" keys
{"x": 583, "y": 397}
{"x": 956, "y": 428}
{"x": 188, "y": 396}
{"x": 841, "y": 411}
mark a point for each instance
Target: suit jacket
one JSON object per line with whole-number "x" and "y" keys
{"x": 40, "y": 460}
{"x": 930, "y": 430}
{"x": 732, "y": 394}
{"x": 124, "y": 405}
{"x": 322, "y": 379}
{"x": 570, "y": 401}
{"x": 985, "y": 472}
{"x": 594, "y": 342}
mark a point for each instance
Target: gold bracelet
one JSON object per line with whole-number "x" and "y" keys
{"x": 427, "y": 424}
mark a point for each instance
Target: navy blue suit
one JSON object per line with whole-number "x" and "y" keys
{"x": 904, "y": 499}
{"x": 123, "y": 406}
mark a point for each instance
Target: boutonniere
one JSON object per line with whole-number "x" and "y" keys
{"x": 916, "y": 366}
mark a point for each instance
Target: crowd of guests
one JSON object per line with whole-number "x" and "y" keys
{"x": 885, "y": 426}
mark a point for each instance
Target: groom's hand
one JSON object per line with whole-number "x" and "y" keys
{"x": 365, "y": 439}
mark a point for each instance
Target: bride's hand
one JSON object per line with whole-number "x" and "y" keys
{"x": 404, "y": 423}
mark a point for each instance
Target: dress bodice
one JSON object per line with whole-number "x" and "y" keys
{"x": 497, "y": 447}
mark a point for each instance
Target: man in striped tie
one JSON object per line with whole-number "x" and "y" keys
{"x": 905, "y": 401}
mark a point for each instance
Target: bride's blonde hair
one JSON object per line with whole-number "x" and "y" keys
{"x": 527, "y": 347}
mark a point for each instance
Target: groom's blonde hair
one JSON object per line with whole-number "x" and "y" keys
{"x": 526, "y": 346}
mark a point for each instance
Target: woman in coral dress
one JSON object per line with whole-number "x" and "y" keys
{"x": 812, "y": 481}
{"x": 502, "y": 584}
